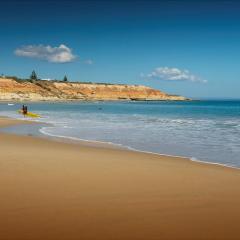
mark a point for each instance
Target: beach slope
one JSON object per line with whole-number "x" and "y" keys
{"x": 53, "y": 190}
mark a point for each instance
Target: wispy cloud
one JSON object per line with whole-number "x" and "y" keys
{"x": 60, "y": 54}
{"x": 173, "y": 74}
{"x": 88, "y": 61}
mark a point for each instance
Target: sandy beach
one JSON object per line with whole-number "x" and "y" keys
{"x": 55, "y": 190}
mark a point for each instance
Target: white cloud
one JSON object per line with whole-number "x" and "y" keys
{"x": 60, "y": 54}
{"x": 172, "y": 74}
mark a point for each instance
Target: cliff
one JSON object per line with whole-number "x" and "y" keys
{"x": 40, "y": 90}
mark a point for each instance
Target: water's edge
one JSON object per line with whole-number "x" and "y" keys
{"x": 107, "y": 144}
{"x": 42, "y": 134}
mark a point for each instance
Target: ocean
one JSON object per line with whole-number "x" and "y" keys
{"x": 201, "y": 130}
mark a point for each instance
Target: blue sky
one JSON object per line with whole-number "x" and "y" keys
{"x": 190, "y": 48}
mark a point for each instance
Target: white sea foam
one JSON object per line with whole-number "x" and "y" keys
{"x": 43, "y": 130}
{"x": 154, "y": 135}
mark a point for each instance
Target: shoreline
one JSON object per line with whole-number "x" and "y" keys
{"x": 123, "y": 147}
{"x": 111, "y": 145}
{"x": 94, "y": 100}
{"x": 6, "y": 121}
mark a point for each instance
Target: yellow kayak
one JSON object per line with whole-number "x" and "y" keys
{"x": 30, "y": 114}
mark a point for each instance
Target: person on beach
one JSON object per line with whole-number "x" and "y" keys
{"x": 24, "y": 110}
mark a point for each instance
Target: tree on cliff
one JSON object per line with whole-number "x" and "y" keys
{"x": 33, "y": 76}
{"x": 65, "y": 79}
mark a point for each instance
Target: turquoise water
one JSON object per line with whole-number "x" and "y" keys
{"x": 202, "y": 130}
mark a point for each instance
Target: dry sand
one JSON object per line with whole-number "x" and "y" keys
{"x": 53, "y": 190}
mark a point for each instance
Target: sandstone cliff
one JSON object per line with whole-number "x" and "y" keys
{"x": 60, "y": 91}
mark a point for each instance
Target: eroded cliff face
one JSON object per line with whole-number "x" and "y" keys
{"x": 59, "y": 91}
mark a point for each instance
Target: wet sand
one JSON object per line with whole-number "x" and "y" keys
{"x": 55, "y": 190}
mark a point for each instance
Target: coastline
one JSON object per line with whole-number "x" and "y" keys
{"x": 16, "y": 101}
{"x": 123, "y": 147}
{"x": 113, "y": 145}
{"x": 58, "y": 190}
{"x": 63, "y": 90}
